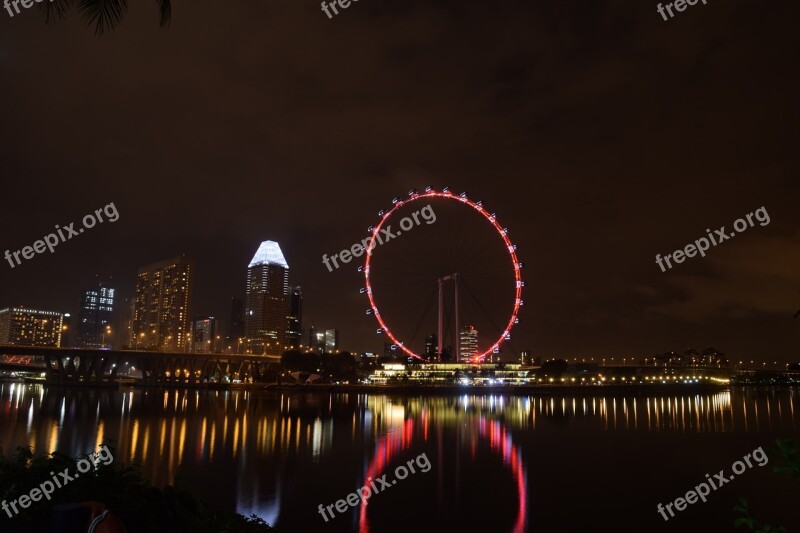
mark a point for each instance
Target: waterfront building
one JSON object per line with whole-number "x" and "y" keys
{"x": 31, "y": 327}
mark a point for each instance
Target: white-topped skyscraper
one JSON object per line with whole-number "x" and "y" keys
{"x": 267, "y": 301}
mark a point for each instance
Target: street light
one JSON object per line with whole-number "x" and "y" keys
{"x": 106, "y": 330}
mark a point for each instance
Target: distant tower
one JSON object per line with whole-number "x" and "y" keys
{"x": 468, "y": 343}
{"x": 267, "y": 301}
{"x": 95, "y": 317}
{"x": 161, "y": 305}
{"x": 295, "y": 319}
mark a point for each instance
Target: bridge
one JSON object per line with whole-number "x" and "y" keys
{"x": 68, "y": 366}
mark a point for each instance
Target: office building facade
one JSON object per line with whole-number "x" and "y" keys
{"x": 294, "y": 334}
{"x": 31, "y": 327}
{"x": 161, "y": 305}
{"x": 204, "y": 335}
{"x": 95, "y": 317}
{"x": 468, "y": 343}
{"x": 323, "y": 341}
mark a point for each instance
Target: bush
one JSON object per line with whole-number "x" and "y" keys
{"x": 132, "y": 499}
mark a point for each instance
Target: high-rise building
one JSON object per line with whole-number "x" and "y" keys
{"x": 267, "y": 301}
{"x": 95, "y": 317}
{"x": 161, "y": 305}
{"x": 325, "y": 341}
{"x": 204, "y": 332}
{"x": 432, "y": 347}
{"x": 294, "y": 333}
{"x": 468, "y": 343}
{"x": 331, "y": 341}
{"x": 30, "y": 327}
{"x": 235, "y": 336}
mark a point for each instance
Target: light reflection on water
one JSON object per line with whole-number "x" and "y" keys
{"x": 267, "y": 441}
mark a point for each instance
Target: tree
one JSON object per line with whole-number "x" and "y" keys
{"x": 102, "y": 14}
{"x": 296, "y": 360}
{"x": 341, "y": 366}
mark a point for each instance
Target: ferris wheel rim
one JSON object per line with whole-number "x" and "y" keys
{"x": 491, "y": 218}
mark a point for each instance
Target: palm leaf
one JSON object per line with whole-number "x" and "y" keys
{"x": 165, "y": 12}
{"x": 54, "y": 10}
{"x": 103, "y": 14}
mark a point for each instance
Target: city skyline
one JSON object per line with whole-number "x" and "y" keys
{"x": 294, "y": 298}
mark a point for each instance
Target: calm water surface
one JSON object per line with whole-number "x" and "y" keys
{"x": 497, "y": 463}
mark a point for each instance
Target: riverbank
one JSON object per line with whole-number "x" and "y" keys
{"x": 516, "y": 390}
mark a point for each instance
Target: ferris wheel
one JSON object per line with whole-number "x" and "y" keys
{"x": 444, "y": 287}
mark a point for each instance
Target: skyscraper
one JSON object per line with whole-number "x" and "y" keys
{"x": 161, "y": 305}
{"x": 294, "y": 332}
{"x": 30, "y": 327}
{"x": 267, "y": 301}
{"x": 468, "y": 343}
{"x": 95, "y": 317}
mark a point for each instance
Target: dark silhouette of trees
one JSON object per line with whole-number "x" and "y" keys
{"x": 294, "y": 360}
{"x": 556, "y": 367}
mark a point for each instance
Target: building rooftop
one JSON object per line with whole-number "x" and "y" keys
{"x": 269, "y": 253}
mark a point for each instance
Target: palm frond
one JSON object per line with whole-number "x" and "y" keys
{"x": 54, "y": 10}
{"x": 165, "y": 12}
{"x": 103, "y": 14}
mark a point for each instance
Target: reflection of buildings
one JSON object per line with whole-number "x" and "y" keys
{"x": 266, "y": 301}
{"x": 30, "y": 327}
{"x": 265, "y": 457}
{"x": 161, "y": 305}
{"x": 468, "y": 343}
{"x": 95, "y": 317}
{"x": 204, "y": 331}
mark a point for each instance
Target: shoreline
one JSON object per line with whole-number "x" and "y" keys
{"x": 515, "y": 390}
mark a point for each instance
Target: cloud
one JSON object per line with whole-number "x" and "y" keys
{"x": 757, "y": 274}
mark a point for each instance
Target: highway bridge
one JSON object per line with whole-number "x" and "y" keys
{"x": 68, "y": 366}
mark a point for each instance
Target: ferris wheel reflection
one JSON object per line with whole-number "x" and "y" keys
{"x": 402, "y": 437}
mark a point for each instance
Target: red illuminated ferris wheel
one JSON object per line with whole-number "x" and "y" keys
{"x": 453, "y": 277}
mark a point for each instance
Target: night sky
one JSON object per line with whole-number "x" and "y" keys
{"x": 601, "y": 134}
